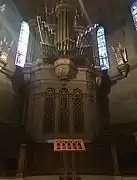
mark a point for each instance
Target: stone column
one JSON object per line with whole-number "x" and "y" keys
{"x": 22, "y": 160}
{"x": 115, "y": 160}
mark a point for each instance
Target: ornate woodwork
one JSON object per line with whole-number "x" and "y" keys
{"x": 63, "y": 118}
{"x": 49, "y": 111}
{"x": 78, "y": 114}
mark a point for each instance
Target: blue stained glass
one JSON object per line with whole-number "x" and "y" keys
{"x": 102, "y": 49}
{"x": 134, "y": 12}
{"x": 22, "y": 45}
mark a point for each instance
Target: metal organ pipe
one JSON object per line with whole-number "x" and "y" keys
{"x": 70, "y": 38}
{"x": 39, "y": 28}
{"x": 64, "y": 26}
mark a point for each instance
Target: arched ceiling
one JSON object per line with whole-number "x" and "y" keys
{"x": 107, "y": 12}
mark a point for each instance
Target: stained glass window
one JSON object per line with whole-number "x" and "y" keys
{"x": 63, "y": 120}
{"x": 102, "y": 48}
{"x": 22, "y": 45}
{"x": 134, "y": 12}
{"x": 49, "y": 111}
{"x": 78, "y": 116}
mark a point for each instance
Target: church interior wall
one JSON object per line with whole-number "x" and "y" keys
{"x": 122, "y": 99}
{"x": 9, "y": 100}
{"x": 11, "y": 21}
{"x": 123, "y": 96}
{"x": 124, "y": 90}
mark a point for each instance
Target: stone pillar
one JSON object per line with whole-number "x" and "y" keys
{"x": 22, "y": 160}
{"x": 115, "y": 160}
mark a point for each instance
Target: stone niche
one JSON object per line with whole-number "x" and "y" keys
{"x": 43, "y": 76}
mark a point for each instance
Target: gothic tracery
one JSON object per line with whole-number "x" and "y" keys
{"x": 49, "y": 111}
{"x": 63, "y": 119}
{"x": 78, "y": 116}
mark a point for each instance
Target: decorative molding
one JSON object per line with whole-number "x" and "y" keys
{"x": 78, "y": 114}
{"x": 49, "y": 111}
{"x": 63, "y": 116}
{"x": 41, "y": 94}
{"x": 65, "y": 69}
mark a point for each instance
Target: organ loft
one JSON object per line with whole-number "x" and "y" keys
{"x": 61, "y": 126}
{"x": 62, "y": 80}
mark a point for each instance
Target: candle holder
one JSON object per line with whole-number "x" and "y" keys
{"x": 123, "y": 69}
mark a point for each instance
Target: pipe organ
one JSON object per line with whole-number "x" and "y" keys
{"x": 63, "y": 32}
{"x": 65, "y": 62}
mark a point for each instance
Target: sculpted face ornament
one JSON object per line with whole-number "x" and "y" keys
{"x": 64, "y": 69}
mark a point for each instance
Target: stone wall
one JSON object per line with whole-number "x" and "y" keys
{"x": 123, "y": 96}
{"x": 10, "y": 22}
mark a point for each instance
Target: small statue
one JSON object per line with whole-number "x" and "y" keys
{"x": 4, "y": 52}
{"x": 4, "y": 46}
{"x": 120, "y": 54}
{"x": 122, "y": 60}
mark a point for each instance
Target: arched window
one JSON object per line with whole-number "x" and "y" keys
{"x": 134, "y": 12}
{"x": 22, "y": 45}
{"x": 63, "y": 119}
{"x": 78, "y": 114}
{"x": 49, "y": 111}
{"x": 102, "y": 48}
